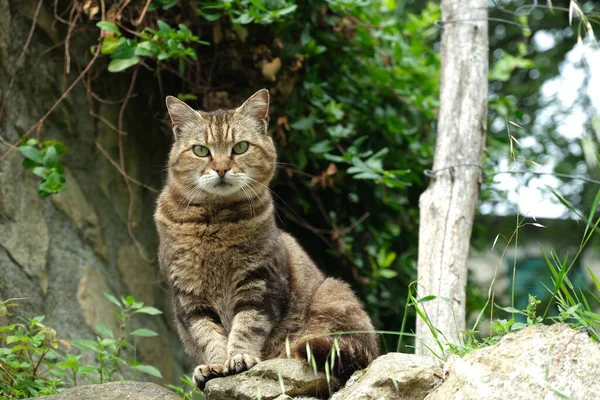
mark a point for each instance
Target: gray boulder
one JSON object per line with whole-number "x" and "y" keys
{"x": 270, "y": 380}
{"x": 117, "y": 390}
{"x": 393, "y": 376}
{"x": 539, "y": 362}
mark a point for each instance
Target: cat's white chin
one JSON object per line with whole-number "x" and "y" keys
{"x": 224, "y": 189}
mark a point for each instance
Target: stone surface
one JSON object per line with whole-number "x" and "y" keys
{"x": 117, "y": 390}
{"x": 393, "y": 376}
{"x": 140, "y": 276}
{"x": 74, "y": 204}
{"x": 24, "y": 233}
{"x": 540, "y": 362}
{"x": 94, "y": 305}
{"x": 270, "y": 379}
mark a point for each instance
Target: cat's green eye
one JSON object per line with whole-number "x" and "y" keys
{"x": 201, "y": 151}
{"x": 240, "y": 148}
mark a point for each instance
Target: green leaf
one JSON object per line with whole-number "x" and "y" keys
{"x": 31, "y": 153}
{"x": 40, "y": 171}
{"x": 29, "y": 164}
{"x": 50, "y": 157}
{"x": 258, "y": 4}
{"x": 305, "y": 123}
{"x": 104, "y": 330}
{"x": 143, "y": 52}
{"x": 209, "y": 16}
{"x": 388, "y": 273}
{"x": 510, "y": 310}
{"x": 109, "y": 45}
{"x": 112, "y": 299}
{"x": 285, "y": 11}
{"x": 85, "y": 344}
{"x": 426, "y": 299}
{"x": 144, "y": 333}
{"x": 321, "y": 147}
{"x": 148, "y": 310}
{"x": 122, "y": 64}
{"x": 163, "y": 27}
{"x": 11, "y": 339}
{"x": 148, "y": 369}
{"x": 109, "y": 26}
{"x": 60, "y": 147}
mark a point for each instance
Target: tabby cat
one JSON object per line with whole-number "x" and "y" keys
{"x": 240, "y": 286}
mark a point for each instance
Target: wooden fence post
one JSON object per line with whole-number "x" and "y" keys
{"x": 447, "y": 207}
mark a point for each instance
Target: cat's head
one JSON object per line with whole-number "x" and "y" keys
{"x": 223, "y": 154}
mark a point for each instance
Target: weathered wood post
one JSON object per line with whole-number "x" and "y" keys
{"x": 447, "y": 207}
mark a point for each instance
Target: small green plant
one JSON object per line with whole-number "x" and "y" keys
{"x": 187, "y": 390}
{"x": 35, "y": 361}
{"x": 27, "y": 348}
{"x": 108, "y": 347}
{"x": 42, "y": 158}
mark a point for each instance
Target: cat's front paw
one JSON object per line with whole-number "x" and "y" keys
{"x": 239, "y": 363}
{"x": 204, "y": 373}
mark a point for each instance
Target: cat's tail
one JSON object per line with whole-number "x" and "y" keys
{"x": 338, "y": 332}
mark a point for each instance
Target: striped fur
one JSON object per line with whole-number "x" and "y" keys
{"x": 239, "y": 285}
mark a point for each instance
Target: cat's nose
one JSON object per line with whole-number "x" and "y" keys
{"x": 221, "y": 170}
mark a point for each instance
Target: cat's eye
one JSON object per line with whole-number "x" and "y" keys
{"x": 201, "y": 151}
{"x": 240, "y": 148}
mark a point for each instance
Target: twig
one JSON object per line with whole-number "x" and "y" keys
{"x": 21, "y": 57}
{"x": 56, "y": 104}
{"x": 68, "y": 41}
{"x": 143, "y": 14}
{"x": 125, "y": 175}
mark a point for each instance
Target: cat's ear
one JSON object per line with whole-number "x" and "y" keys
{"x": 257, "y": 106}
{"x": 180, "y": 112}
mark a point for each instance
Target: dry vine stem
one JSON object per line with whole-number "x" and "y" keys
{"x": 57, "y": 103}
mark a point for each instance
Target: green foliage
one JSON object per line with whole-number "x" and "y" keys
{"x": 187, "y": 390}
{"x": 108, "y": 348}
{"x": 26, "y": 349}
{"x": 246, "y": 11}
{"x": 42, "y": 158}
{"x": 35, "y": 361}
{"x": 162, "y": 44}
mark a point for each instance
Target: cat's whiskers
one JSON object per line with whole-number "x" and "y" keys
{"x": 270, "y": 190}
{"x": 198, "y": 190}
{"x": 184, "y": 196}
{"x": 274, "y": 209}
{"x": 249, "y": 198}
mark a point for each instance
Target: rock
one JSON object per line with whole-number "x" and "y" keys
{"x": 539, "y": 362}
{"x": 128, "y": 390}
{"x": 393, "y": 376}
{"x": 269, "y": 380}
{"x": 73, "y": 203}
{"x": 140, "y": 276}
{"x": 22, "y": 222}
{"x": 95, "y": 307}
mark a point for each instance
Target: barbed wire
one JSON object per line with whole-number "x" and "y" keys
{"x": 517, "y": 12}
{"x": 432, "y": 173}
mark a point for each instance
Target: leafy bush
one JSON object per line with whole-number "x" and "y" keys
{"x": 35, "y": 361}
